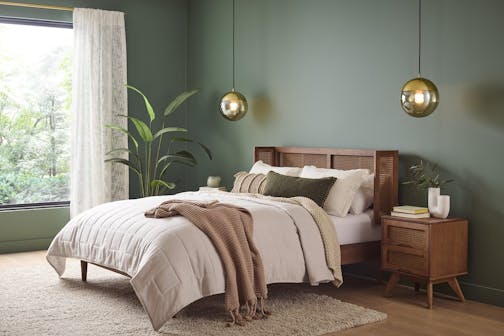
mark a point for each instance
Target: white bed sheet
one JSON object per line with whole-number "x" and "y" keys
{"x": 354, "y": 229}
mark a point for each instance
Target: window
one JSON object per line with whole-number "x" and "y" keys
{"x": 35, "y": 98}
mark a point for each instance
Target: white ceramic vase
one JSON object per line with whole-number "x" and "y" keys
{"x": 439, "y": 205}
{"x": 213, "y": 181}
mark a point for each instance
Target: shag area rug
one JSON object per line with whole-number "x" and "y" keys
{"x": 34, "y": 301}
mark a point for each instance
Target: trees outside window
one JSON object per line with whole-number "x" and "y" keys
{"x": 35, "y": 99}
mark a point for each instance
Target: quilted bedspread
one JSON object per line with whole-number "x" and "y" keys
{"x": 172, "y": 263}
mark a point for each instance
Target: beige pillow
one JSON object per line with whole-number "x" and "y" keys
{"x": 263, "y": 168}
{"x": 342, "y": 193}
{"x": 364, "y": 196}
{"x": 249, "y": 183}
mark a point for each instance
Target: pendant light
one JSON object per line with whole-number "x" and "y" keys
{"x": 233, "y": 105}
{"x": 419, "y": 96}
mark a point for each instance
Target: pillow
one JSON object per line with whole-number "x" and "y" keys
{"x": 249, "y": 183}
{"x": 364, "y": 196}
{"x": 263, "y": 168}
{"x": 343, "y": 191}
{"x": 288, "y": 186}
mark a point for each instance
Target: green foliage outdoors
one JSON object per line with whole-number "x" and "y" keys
{"x": 150, "y": 159}
{"x": 34, "y": 124}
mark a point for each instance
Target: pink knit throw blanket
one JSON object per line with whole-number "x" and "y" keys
{"x": 230, "y": 229}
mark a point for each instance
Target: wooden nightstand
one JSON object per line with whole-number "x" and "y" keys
{"x": 427, "y": 250}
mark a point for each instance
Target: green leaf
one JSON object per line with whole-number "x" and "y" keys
{"x": 148, "y": 105}
{"x": 207, "y": 150}
{"x": 187, "y": 155}
{"x": 181, "y": 139}
{"x": 118, "y": 128}
{"x": 161, "y": 174}
{"x": 167, "y": 130}
{"x": 179, "y": 100}
{"x": 157, "y": 183}
{"x": 143, "y": 130}
{"x": 125, "y": 162}
{"x": 182, "y": 155}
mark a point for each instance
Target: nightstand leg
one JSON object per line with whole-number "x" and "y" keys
{"x": 417, "y": 286}
{"x": 394, "y": 278}
{"x": 429, "y": 294}
{"x": 456, "y": 288}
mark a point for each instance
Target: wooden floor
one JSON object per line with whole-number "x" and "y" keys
{"x": 406, "y": 310}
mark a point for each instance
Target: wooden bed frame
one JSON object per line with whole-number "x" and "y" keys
{"x": 383, "y": 163}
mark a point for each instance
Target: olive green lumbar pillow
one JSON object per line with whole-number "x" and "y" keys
{"x": 287, "y": 186}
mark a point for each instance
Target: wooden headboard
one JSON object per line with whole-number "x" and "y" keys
{"x": 381, "y": 162}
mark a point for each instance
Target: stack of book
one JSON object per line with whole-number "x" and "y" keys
{"x": 409, "y": 211}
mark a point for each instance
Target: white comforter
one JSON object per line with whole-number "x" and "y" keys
{"x": 172, "y": 263}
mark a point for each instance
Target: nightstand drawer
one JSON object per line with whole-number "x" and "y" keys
{"x": 409, "y": 235}
{"x": 397, "y": 258}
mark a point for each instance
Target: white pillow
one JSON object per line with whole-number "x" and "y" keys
{"x": 343, "y": 191}
{"x": 263, "y": 168}
{"x": 364, "y": 196}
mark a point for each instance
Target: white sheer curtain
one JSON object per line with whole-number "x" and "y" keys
{"x": 99, "y": 95}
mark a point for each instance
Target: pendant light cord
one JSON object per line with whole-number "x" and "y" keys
{"x": 419, "y": 34}
{"x": 234, "y": 45}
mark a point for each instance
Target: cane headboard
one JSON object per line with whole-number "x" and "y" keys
{"x": 381, "y": 162}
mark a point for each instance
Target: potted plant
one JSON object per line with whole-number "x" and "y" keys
{"x": 152, "y": 164}
{"x": 426, "y": 176}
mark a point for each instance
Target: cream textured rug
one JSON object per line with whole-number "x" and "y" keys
{"x": 33, "y": 301}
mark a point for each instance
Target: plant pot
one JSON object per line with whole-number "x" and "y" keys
{"x": 439, "y": 205}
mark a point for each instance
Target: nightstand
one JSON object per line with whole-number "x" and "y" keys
{"x": 429, "y": 250}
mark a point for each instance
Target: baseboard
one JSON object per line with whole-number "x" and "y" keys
{"x": 26, "y": 245}
{"x": 484, "y": 294}
{"x": 475, "y": 292}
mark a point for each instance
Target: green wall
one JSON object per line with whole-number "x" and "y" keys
{"x": 328, "y": 73}
{"x": 323, "y": 73}
{"x": 156, "y": 46}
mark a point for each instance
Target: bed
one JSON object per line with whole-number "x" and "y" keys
{"x": 171, "y": 263}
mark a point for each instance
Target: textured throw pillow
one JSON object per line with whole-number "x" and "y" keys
{"x": 364, "y": 196}
{"x": 263, "y": 168}
{"x": 249, "y": 183}
{"x": 288, "y": 186}
{"x": 343, "y": 191}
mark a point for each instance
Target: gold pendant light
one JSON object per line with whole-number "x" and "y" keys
{"x": 419, "y": 96}
{"x": 233, "y": 104}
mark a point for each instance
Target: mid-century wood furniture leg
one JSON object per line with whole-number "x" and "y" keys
{"x": 394, "y": 278}
{"x": 429, "y": 294}
{"x": 417, "y": 286}
{"x": 83, "y": 266}
{"x": 456, "y": 288}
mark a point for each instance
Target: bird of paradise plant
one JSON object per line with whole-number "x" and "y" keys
{"x": 152, "y": 165}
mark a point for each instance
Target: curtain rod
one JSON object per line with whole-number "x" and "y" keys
{"x": 32, "y": 5}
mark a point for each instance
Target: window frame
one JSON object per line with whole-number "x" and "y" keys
{"x": 38, "y": 23}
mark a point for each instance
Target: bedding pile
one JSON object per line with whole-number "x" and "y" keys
{"x": 230, "y": 230}
{"x": 172, "y": 263}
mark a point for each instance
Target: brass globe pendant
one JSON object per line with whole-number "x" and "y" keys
{"x": 233, "y": 105}
{"x": 419, "y": 97}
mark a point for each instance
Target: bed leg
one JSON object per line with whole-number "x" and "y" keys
{"x": 83, "y": 266}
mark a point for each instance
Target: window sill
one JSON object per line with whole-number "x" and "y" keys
{"x": 33, "y": 206}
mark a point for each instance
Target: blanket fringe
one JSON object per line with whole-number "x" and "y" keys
{"x": 253, "y": 312}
